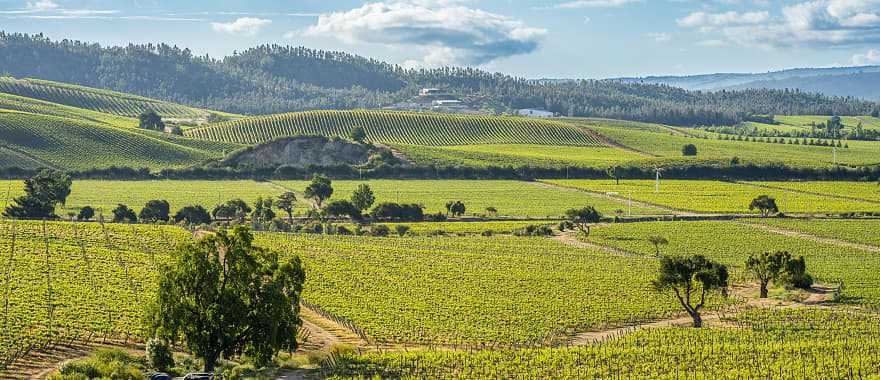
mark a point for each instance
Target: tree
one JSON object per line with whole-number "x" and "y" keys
{"x": 765, "y": 204}
{"x": 232, "y": 209}
{"x": 263, "y": 210}
{"x": 123, "y": 214}
{"x": 363, "y": 197}
{"x": 151, "y": 120}
{"x": 615, "y": 173}
{"x": 86, "y": 213}
{"x": 223, "y": 296}
{"x": 401, "y": 229}
{"x": 319, "y": 190}
{"x": 492, "y": 211}
{"x": 582, "y": 218}
{"x": 796, "y": 274}
{"x": 456, "y": 208}
{"x": 689, "y": 150}
{"x": 155, "y": 211}
{"x": 657, "y": 241}
{"x": 286, "y": 203}
{"x": 358, "y": 134}
{"x": 342, "y": 208}
{"x": 687, "y": 275}
{"x": 192, "y": 215}
{"x": 767, "y": 267}
{"x": 43, "y": 193}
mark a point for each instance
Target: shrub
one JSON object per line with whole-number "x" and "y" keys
{"x": 380, "y": 230}
{"x": 401, "y": 229}
{"x": 159, "y": 355}
{"x": 689, "y": 150}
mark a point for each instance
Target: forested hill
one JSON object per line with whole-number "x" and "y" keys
{"x": 276, "y": 79}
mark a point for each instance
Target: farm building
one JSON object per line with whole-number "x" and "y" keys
{"x": 530, "y": 112}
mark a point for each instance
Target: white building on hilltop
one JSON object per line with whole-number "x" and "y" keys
{"x": 530, "y": 112}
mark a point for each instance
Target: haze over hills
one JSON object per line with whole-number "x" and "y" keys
{"x": 861, "y": 81}
{"x": 275, "y": 79}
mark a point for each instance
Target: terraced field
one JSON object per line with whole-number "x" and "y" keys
{"x": 72, "y": 144}
{"x": 843, "y": 345}
{"x": 717, "y": 197}
{"x": 856, "y": 231}
{"x": 519, "y": 155}
{"x": 510, "y": 198}
{"x": 110, "y": 102}
{"x": 399, "y": 127}
{"x": 732, "y": 242}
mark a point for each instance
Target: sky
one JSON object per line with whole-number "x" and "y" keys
{"x": 528, "y": 38}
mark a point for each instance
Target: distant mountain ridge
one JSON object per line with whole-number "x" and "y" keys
{"x": 858, "y": 81}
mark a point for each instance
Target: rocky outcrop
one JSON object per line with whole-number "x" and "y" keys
{"x": 302, "y": 151}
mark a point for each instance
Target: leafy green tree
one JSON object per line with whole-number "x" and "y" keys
{"x": 492, "y": 211}
{"x": 358, "y": 134}
{"x": 223, "y": 296}
{"x": 123, "y": 214}
{"x": 457, "y": 208}
{"x": 688, "y": 276}
{"x": 287, "y": 202}
{"x": 232, "y": 209}
{"x": 263, "y": 210}
{"x": 765, "y": 204}
{"x": 155, "y": 211}
{"x": 689, "y": 150}
{"x": 767, "y": 267}
{"x": 363, "y": 197}
{"x": 657, "y": 241}
{"x": 796, "y": 274}
{"x": 401, "y": 229}
{"x": 319, "y": 190}
{"x": 615, "y": 173}
{"x": 192, "y": 215}
{"x": 151, "y": 120}
{"x": 86, "y": 213}
{"x": 582, "y": 218}
{"x": 342, "y": 208}
{"x": 43, "y": 192}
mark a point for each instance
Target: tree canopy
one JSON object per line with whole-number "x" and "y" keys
{"x": 43, "y": 192}
{"x": 319, "y": 190}
{"x": 687, "y": 276}
{"x": 765, "y": 204}
{"x": 582, "y": 218}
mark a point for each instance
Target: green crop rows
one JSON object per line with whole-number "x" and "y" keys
{"x": 717, "y": 197}
{"x": 399, "y": 127}
{"x": 518, "y": 155}
{"x": 857, "y": 190}
{"x": 777, "y": 344}
{"x": 855, "y": 231}
{"x": 472, "y": 290}
{"x": 732, "y": 243}
{"x": 110, "y": 102}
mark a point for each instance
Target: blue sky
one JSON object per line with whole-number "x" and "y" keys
{"x": 531, "y": 38}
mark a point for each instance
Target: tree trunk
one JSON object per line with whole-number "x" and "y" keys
{"x": 698, "y": 320}
{"x": 210, "y": 363}
{"x": 290, "y": 217}
{"x": 764, "y": 289}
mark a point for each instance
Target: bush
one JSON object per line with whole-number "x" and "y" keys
{"x": 123, "y": 214}
{"x": 159, "y": 355}
{"x": 401, "y": 229}
{"x": 192, "y": 215}
{"x": 86, "y": 213}
{"x": 534, "y": 230}
{"x": 380, "y": 230}
{"x": 109, "y": 363}
{"x": 279, "y": 225}
{"x": 487, "y": 233}
{"x": 438, "y": 217}
{"x": 689, "y": 150}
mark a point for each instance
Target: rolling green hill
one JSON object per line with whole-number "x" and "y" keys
{"x": 400, "y": 127}
{"x": 109, "y": 102}
{"x": 33, "y": 140}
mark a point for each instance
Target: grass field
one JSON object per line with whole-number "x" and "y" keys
{"x": 856, "y": 231}
{"x": 472, "y": 289}
{"x": 843, "y": 343}
{"x": 510, "y": 198}
{"x": 732, "y": 242}
{"x": 518, "y": 155}
{"x": 849, "y": 122}
{"x": 399, "y": 127}
{"x": 717, "y": 197}
{"x": 667, "y": 143}
{"x": 857, "y": 190}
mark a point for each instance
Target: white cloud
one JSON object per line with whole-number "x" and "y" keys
{"x": 245, "y": 26}
{"x": 42, "y": 5}
{"x": 594, "y": 4}
{"x": 659, "y": 37}
{"x": 711, "y": 43}
{"x": 816, "y": 23}
{"x": 871, "y": 57}
{"x": 445, "y": 31}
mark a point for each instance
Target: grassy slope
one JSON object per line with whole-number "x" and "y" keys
{"x": 77, "y": 144}
{"x": 519, "y": 155}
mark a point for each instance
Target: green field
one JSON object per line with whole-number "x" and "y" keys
{"x": 109, "y": 102}
{"x": 825, "y": 344}
{"x": 465, "y": 228}
{"x": 857, "y": 190}
{"x": 518, "y": 155}
{"x": 472, "y": 290}
{"x": 510, "y": 198}
{"x": 666, "y": 143}
{"x": 849, "y": 122}
{"x": 732, "y": 242}
{"x": 717, "y": 197}
{"x": 856, "y": 231}
{"x": 399, "y": 127}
